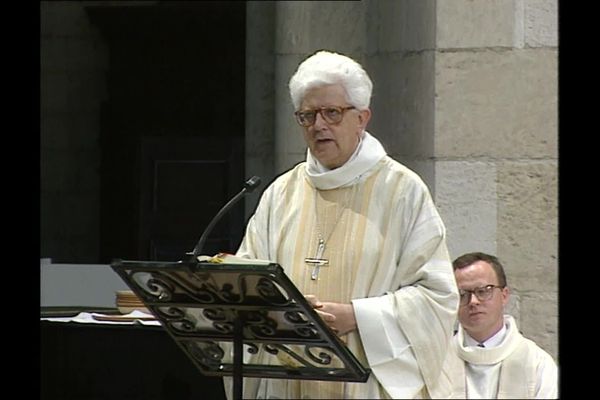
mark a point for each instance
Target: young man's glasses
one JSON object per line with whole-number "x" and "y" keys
{"x": 331, "y": 115}
{"x": 483, "y": 293}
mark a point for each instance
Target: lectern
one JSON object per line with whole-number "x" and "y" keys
{"x": 222, "y": 314}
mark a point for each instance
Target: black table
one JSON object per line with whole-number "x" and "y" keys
{"x": 94, "y": 361}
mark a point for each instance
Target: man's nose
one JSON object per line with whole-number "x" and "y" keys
{"x": 473, "y": 298}
{"x": 319, "y": 121}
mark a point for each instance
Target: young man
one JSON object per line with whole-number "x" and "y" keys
{"x": 489, "y": 358}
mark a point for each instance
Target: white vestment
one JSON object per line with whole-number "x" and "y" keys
{"x": 516, "y": 368}
{"x": 386, "y": 247}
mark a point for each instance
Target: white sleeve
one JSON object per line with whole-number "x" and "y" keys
{"x": 547, "y": 378}
{"x": 390, "y": 350}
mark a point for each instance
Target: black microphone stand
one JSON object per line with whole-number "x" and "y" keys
{"x": 238, "y": 339}
{"x": 249, "y": 186}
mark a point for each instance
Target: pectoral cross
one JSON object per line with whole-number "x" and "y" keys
{"x": 317, "y": 261}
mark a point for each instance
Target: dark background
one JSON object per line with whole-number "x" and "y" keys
{"x": 171, "y": 136}
{"x": 106, "y": 362}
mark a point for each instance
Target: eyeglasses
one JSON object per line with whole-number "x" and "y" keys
{"x": 331, "y": 115}
{"x": 483, "y": 293}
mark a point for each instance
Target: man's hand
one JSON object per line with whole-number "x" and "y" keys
{"x": 338, "y": 316}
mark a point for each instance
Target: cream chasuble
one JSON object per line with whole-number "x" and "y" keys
{"x": 381, "y": 233}
{"x": 516, "y": 368}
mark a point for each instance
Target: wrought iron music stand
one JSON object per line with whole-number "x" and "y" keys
{"x": 209, "y": 308}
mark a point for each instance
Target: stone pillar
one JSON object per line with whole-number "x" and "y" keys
{"x": 260, "y": 103}
{"x": 465, "y": 94}
{"x": 394, "y": 40}
{"x": 301, "y": 28}
{"x": 400, "y": 60}
{"x": 495, "y": 146}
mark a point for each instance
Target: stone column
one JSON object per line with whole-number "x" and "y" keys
{"x": 465, "y": 94}
{"x": 260, "y": 103}
{"x": 301, "y": 28}
{"x": 496, "y": 146}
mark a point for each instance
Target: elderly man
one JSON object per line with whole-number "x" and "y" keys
{"x": 359, "y": 235}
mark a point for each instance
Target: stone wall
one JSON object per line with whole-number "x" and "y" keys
{"x": 496, "y": 146}
{"x": 465, "y": 93}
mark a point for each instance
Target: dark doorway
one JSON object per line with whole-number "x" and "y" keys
{"x": 172, "y": 129}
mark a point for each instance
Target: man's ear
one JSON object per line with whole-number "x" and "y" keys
{"x": 363, "y": 118}
{"x": 505, "y": 295}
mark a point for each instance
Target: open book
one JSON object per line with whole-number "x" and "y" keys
{"x": 226, "y": 258}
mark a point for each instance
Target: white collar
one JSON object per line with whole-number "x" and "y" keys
{"x": 489, "y": 343}
{"x": 368, "y": 153}
{"x": 509, "y": 340}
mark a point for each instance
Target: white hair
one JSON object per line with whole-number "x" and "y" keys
{"x": 327, "y": 68}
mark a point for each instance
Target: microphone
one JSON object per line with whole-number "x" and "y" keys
{"x": 249, "y": 187}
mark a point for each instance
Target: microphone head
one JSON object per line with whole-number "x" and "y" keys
{"x": 252, "y": 184}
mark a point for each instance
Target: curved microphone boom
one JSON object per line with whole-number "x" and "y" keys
{"x": 249, "y": 186}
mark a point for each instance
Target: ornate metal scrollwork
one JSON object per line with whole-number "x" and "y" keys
{"x": 220, "y": 320}
{"x": 262, "y": 331}
{"x": 153, "y": 286}
{"x": 199, "y": 305}
{"x": 208, "y": 353}
{"x": 302, "y": 326}
{"x": 259, "y": 324}
{"x": 224, "y": 327}
{"x": 183, "y": 326}
{"x": 322, "y": 357}
{"x": 214, "y": 314}
{"x": 178, "y": 319}
{"x": 270, "y": 292}
{"x": 226, "y": 293}
{"x": 271, "y": 349}
{"x": 252, "y": 348}
{"x": 171, "y": 312}
{"x": 307, "y": 332}
{"x": 290, "y": 355}
{"x": 206, "y": 290}
{"x": 256, "y": 317}
{"x": 295, "y": 317}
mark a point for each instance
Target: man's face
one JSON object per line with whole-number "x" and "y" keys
{"x": 481, "y": 319}
{"x": 332, "y": 144}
